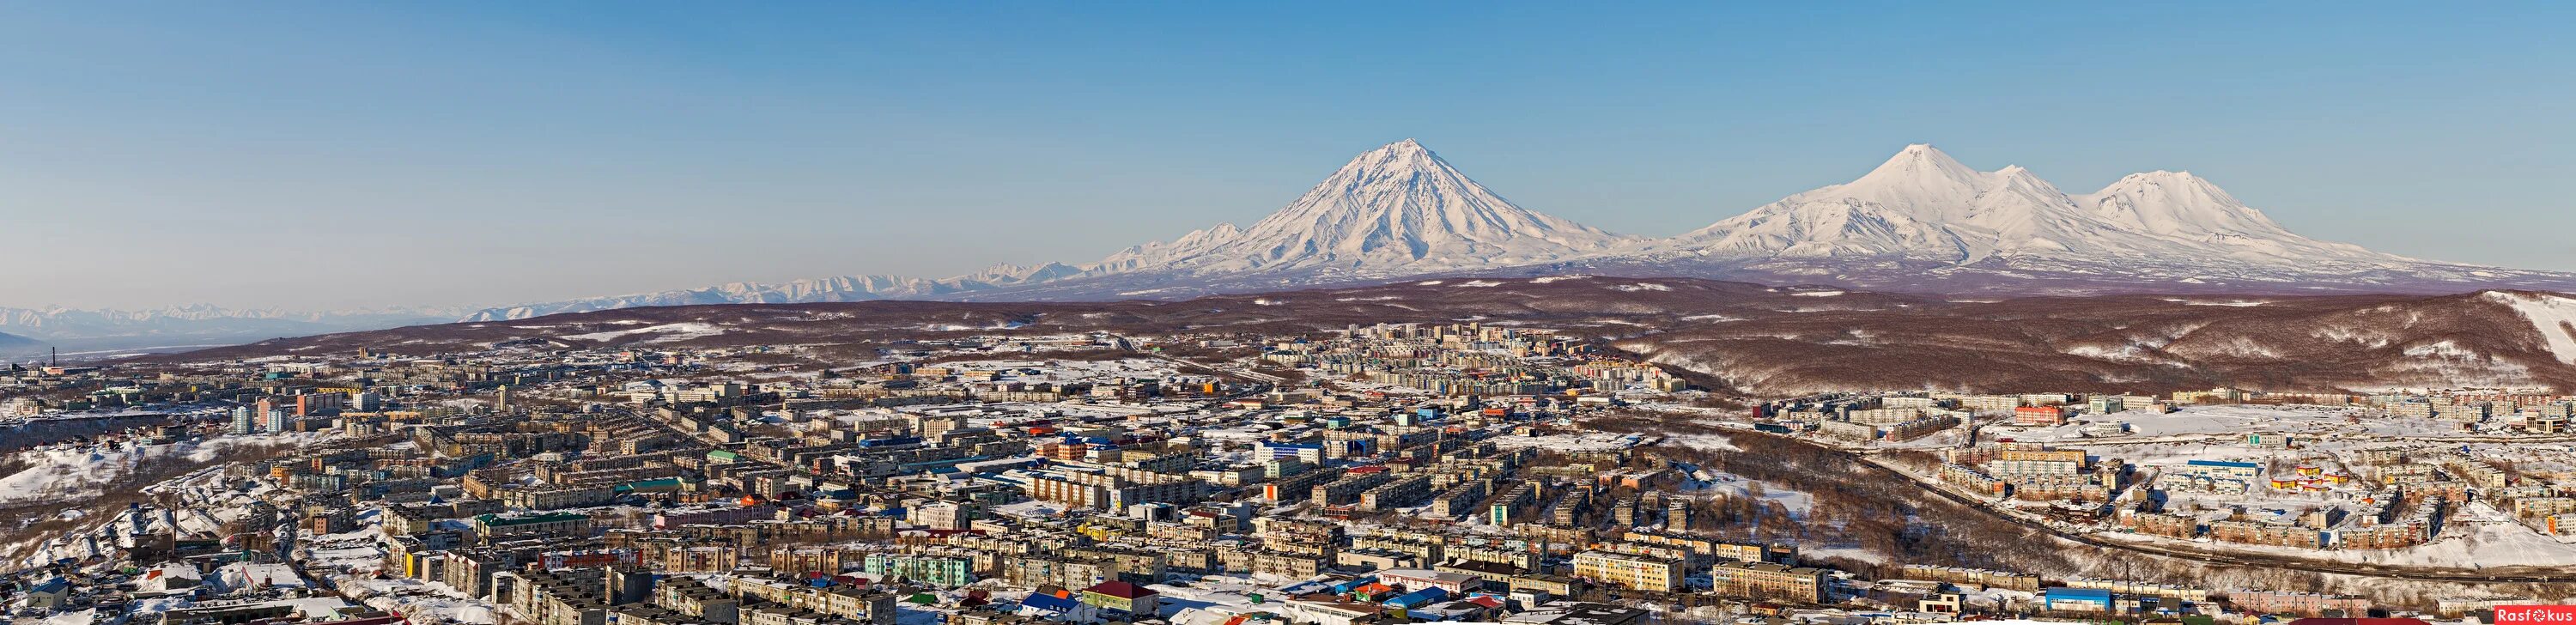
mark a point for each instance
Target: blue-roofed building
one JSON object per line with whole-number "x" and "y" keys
{"x": 1346, "y": 586}
{"x": 2076, "y": 599}
{"x": 50, "y": 594}
{"x": 1312, "y": 454}
{"x": 1047, "y": 603}
{"x": 1418, "y": 598}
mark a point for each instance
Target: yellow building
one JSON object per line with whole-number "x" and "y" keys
{"x": 1633, "y": 572}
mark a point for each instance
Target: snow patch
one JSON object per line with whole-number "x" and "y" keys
{"x": 2443, "y": 349}
{"x": 669, "y": 332}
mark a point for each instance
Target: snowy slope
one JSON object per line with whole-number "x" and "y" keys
{"x": 2552, "y": 314}
{"x": 2189, "y": 211}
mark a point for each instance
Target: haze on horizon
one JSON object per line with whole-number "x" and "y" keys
{"x": 328, "y": 156}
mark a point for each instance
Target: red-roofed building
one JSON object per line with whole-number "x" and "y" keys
{"x": 1373, "y": 590}
{"x": 1124, "y": 597}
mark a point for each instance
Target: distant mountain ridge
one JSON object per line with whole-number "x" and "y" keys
{"x": 12, "y": 341}
{"x": 1919, "y": 222}
{"x": 76, "y": 329}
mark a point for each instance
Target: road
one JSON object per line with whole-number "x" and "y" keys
{"x": 1240, "y": 373}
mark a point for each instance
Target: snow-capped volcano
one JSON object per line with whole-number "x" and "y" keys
{"x": 2181, "y": 207}
{"x": 1398, "y": 208}
{"x": 1922, "y": 205}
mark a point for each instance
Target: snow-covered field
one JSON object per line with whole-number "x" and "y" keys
{"x": 2481, "y": 539}
{"x": 2224, "y": 421}
{"x": 1718, "y": 482}
{"x": 70, "y": 473}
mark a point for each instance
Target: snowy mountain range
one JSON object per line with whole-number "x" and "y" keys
{"x": 1924, "y": 205}
{"x": 1921, "y": 222}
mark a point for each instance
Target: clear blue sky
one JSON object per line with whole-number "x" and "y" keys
{"x": 345, "y": 154}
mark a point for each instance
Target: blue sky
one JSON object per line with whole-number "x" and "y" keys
{"x": 328, "y": 155}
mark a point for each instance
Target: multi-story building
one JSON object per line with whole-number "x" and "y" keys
{"x": 943, "y": 571}
{"x": 1460, "y": 500}
{"x": 490, "y": 526}
{"x": 1977, "y": 578}
{"x": 2039, "y": 416}
{"x": 1975, "y": 481}
{"x": 2259, "y": 533}
{"x": 1113, "y": 491}
{"x": 1347, "y": 490}
{"x": 1398, "y": 493}
{"x": 555, "y": 497}
{"x": 1630, "y": 571}
{"x": 1515, "y": 505}
{"x": 1765, "y": 580}
{"x": 944, "y": 515}
{"x": 2276, "y": 601}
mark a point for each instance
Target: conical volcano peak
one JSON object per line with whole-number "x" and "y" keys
{"x": 1406, "y": 154}
{"x": 1917, "y": 170}
{"x": 1923, "y": 155}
